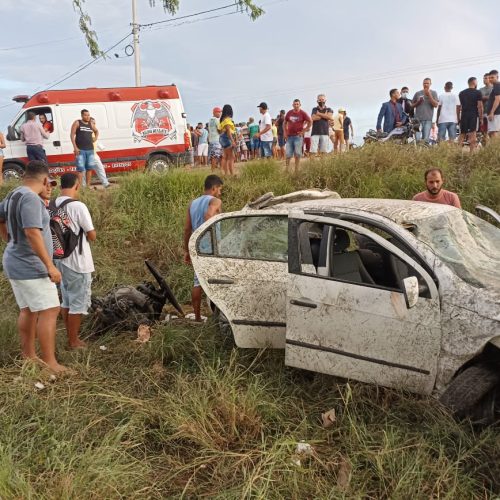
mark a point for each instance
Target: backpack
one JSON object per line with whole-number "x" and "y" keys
{"x": 64, "y": 240}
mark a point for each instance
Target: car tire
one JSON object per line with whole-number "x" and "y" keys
{"x": 12, "y": 171}
{"x": 467, "y": 391}
{"x": 159, "y": 163}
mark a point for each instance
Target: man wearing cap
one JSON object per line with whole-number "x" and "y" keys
{"x": 265, "y": 133}
{"x": 214, "y": 147}
{"x": 27, "y": 263}
{"x": 338, "y": 130}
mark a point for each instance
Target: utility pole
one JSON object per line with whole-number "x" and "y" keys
{"x": 137, "y": 55}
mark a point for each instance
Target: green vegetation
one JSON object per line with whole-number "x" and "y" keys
{"x": 189, "y": 415}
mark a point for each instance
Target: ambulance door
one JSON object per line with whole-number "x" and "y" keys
{"x": 52, "y": 145}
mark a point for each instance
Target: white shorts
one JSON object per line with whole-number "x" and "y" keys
{"x": 203, "y": 149}
{"x": 494, "y": 125}
{"x": 319, "y": 142}
{"x": 36, "y": 295}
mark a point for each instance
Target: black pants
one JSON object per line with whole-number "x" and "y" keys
{"x": 36, "y": 153}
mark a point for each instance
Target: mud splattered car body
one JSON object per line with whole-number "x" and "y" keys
{"x": 398, "y": 293}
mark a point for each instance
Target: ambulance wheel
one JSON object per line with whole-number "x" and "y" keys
{"x": 159, "y": 164}
{"x": 12, "y": 171}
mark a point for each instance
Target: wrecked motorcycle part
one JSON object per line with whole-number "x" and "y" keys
{"x": 128, "y": 307}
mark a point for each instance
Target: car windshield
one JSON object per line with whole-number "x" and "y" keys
{"x": 469, "y": 245}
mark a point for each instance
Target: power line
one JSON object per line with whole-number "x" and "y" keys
{"x": 86, "y": 65}
{"x": 187, "y": 16}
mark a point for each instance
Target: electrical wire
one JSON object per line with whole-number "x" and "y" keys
{"x": 188, "y": 16}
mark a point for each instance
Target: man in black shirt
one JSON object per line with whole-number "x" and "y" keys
{"x": 471, "y": 101}
{"x": 280, "y": 121}
{"x": 348, "y": 130}
{"x": 83, "y": 134}
{"x": 494, "y": 105}
{"x": 406, "y": 102}
{"x": 321, "y": 116}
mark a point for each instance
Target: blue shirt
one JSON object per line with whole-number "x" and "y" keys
{"x": 19, "y": 260}
{"x": 198, "y": 210}
{"x": 203, "y": 137}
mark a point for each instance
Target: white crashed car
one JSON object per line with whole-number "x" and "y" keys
{"x": 398, "y": 293}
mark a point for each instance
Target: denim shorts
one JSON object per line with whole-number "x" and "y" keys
{"x": 224, "y": 140}
{"x": 75, "y": 290}
{"x": 85, "y": 160}
{"x": 281, "y": 141}
{"x": 294, "y": 146}
{"x": 266, "y": 149}
{"x": 447, "y": 127}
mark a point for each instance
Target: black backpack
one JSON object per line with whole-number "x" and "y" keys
{"x": 64, "y": 240}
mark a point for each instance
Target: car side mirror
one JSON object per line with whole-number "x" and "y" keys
{"x": 411, "y": 291}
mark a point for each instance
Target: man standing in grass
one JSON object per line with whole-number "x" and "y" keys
{"x": 200, "y": 210}
{"x": 297, "y": 122}
{"x": 265, "y": 133}
{"x": 76, "y": 268}
{"x": 435, "y": 193}
{"x": 253, "y": 130}
{"x": 27, "y": 263}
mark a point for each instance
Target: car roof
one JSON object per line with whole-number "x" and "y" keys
{"x": 400, "y": 211}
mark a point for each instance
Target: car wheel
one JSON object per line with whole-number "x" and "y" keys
{"x": 159, "y": 164}
{"x": 12, "y": 171}
{"x": 469, "y": 393}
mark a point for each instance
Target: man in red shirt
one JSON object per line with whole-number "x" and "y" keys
{"x": 435, "y": 194}
{"x": 296, "y": 123}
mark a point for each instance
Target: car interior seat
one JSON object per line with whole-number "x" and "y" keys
{"x": 346, "y": 265}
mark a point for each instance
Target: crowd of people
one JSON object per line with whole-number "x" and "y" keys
{"x": 459, "y": 116}
{"x": 48, "y": 240}
{"x": 290, "y": 135}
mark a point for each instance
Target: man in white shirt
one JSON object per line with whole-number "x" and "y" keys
{"x": 265, "y": 133}
{"x": 448, "y": 114}
{"x": 77, "y": 268}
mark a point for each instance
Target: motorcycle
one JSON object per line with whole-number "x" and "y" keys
{"x": 405, "y": 134}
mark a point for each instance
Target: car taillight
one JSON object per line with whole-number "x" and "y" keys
{"x": 187, "y": 141}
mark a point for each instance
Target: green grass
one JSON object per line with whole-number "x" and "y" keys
{"x": 188, "y": 415}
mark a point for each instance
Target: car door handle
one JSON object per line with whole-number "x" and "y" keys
{"x": 220, "y": 281}
{"x": 303, "y": 303}
{"x": 56, "y": 143}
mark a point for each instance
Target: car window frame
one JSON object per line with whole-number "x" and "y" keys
{"x": 294, "y": 262}
{"x": 237, "y": 216}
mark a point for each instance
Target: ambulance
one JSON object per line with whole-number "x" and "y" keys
{"x": 139, "y": 128}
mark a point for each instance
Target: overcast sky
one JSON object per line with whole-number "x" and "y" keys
{"x": 353, "y": 51}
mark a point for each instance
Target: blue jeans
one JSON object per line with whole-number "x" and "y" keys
{"x": 254, "y": 143}
{"x": 450, "y": 127}
{"x": 266, "y": 149}
{"x": 294, "y": 146}
{"x": 36, "y": 153}
{"x": 85, "y": 160}
{"x": 425, "y": 129}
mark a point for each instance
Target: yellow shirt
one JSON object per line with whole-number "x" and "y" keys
{"x": 338, "y": 122}
{"x": 224, "y": 123}
{"x": 274, "y": 128}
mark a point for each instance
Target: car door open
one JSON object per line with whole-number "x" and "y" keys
{"x": 241, "y": 263}
{"x": 359, "y": 307}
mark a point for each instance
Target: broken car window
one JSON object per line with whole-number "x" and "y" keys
{"x": 254, "y": 237}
